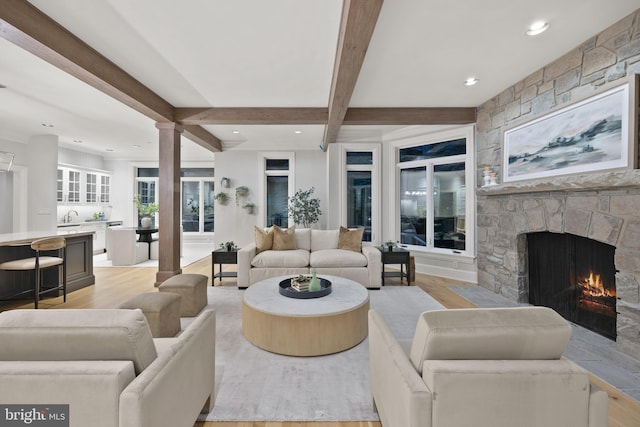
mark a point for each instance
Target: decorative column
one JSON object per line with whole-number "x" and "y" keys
{"x": 169, "y": 201}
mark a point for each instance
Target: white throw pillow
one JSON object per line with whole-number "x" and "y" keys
{"x": 324, "y": 239}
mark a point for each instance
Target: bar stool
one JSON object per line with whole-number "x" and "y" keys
{"x": 40, "y": 262}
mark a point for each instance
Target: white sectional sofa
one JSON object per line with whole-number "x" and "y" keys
{"x": 106, "y": 366}
{"x": 314, "y": 249}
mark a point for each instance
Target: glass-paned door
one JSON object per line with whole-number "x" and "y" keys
{"x": 413, "y": 206}
{"x": 92, "y": 188}
{"x": 449, "y": 206}
{"x": 191, "y": 206}
{"x": 208, "y": 196}
{"x": 74, "y": 186}
{"x": 197, "y": 205}
{"x": 277, "y": 199}
{"x": 147, "y": 192}
{"x": 359, "y": 202}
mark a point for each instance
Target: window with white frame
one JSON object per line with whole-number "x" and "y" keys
{"x": 197, "y": 196}
{"x": 435, "y": 185}
{"x": 360, "y": 200}
{"x": 277, "y": 187}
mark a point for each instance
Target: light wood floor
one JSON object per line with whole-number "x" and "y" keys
{"x": 115, "y": 285}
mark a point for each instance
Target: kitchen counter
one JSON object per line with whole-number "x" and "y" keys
{"x": 79, "y": 261}
{"x": 13, "y": 239}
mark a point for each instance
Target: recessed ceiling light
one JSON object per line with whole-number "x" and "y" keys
{"x": 537, "y": 27}
{"x": 236, "y": 131}
{"x": 109, "y": 149}
{"x": 47, "y": 125}
{"x": 137, "y": 146}
{"x": 297, "y": 132}
{"x": 79, "y": 141}
{"x": 471, "y": 81}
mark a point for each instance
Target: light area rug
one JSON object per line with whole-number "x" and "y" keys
{"x": 255, "y": 385}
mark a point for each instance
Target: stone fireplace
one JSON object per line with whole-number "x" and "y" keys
{"x": 605, "y": 209}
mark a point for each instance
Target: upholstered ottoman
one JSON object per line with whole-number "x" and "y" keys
{"x": 193, "y": 290}
{"x": 162, "y": 310}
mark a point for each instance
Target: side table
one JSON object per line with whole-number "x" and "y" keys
{"x": 223, "y": 256}
{"x": 396, "y": 256}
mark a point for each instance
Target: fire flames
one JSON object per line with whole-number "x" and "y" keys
{"x": 592, "y": 286}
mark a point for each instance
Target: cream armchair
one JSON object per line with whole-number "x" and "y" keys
{"x": 481, "y": 368}
{"x": 107, "y": 367}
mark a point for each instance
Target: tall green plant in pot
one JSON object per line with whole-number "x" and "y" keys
{"x": 303, "y": 208}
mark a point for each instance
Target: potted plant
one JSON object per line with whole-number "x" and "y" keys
{"x": 242, "y": 193}
{"x": 145, "y": 211}
{"x": 221, "y": 198}
{"x": 390, "y": 244}
{"x": 303, "y": 208}
{"x": 249, "y": 207}
{"x": 229, "y": 246}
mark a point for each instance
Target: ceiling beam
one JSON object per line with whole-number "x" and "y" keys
{"x": 203, "y": 138}
{"x": 410, "y": 116}
{"x": 251, "y": 116}
{"x": 358, "y": 21}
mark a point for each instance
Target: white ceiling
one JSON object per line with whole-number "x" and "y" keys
{"x": 280, "y": 53}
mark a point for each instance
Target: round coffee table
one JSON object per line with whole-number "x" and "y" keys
{"x": 305, "y": 327}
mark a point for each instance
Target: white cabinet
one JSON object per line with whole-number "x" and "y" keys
{"x": 99, "y": 234}
{"x": 75, "y": 185}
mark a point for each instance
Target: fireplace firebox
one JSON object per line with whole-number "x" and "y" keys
{"x": 576, "y": 277}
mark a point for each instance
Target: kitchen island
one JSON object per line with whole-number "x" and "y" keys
{"x": 79, "y": 261}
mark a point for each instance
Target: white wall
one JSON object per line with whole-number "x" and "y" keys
{"x": 42, "y": 152}
{"x": 232, "y": 223}
{"x": 123, "y": 187}
{"x": 18, "y": 198}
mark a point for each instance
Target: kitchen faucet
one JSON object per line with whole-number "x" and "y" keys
{"x": 67, "y": 217}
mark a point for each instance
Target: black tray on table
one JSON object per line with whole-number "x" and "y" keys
{"x": 286, "y": 290}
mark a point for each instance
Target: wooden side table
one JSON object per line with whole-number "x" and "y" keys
{"x": 396, "y": 256}
{"x": 223, "y": 256}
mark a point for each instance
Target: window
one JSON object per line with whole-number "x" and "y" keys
{"x": 197, "y": 196}
{"x": 197, "y": 204}
{"x": 277, "y": 188}
{"x": 435, "y": 183}
{"x": 361, "y": 205}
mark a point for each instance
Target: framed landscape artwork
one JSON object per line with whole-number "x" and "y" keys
{"x": 595, "y": 134}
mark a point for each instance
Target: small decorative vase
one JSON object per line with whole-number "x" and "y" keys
{"x": 229, "y": 247}
{"x": 145, "y": 222}
{"x": 314, "y": 285}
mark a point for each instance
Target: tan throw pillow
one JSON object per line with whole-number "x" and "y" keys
{"x": 284, "y": 240}
{"x": 264, "y": 239}
{"x": 350, "y": 240}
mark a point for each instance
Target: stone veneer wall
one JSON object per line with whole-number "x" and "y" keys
{"x": 600, "y": 206}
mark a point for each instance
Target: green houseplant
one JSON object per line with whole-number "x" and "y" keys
{"x": 242, "y": 193}
{"x": 147, "y": 209}
{"x": 222, "y": 198}
{"x": 303, "y": 208}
